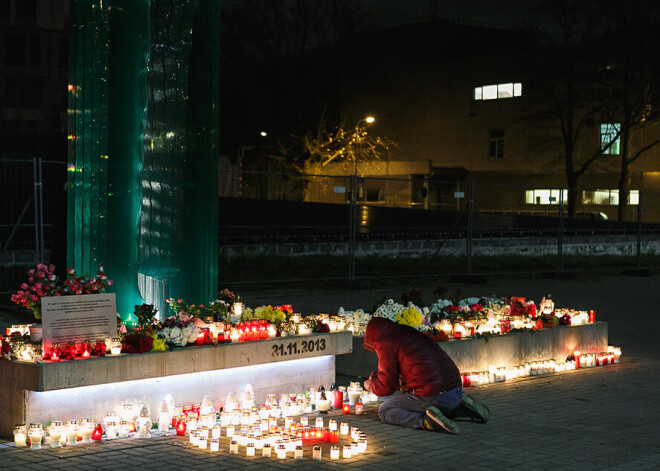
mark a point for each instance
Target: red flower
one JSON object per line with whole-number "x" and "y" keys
{"x": 453, "y": 308}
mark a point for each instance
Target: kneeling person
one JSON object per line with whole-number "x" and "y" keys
{"x": 430, "y": 383}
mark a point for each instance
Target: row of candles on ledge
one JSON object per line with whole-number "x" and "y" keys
{"x": 575, "y": 361}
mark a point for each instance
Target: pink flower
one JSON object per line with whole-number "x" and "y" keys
{"x": 41, "y": 274}
{"x": 35, "y": 298}
{"x": 41, "y": 266}
{"x": 71, "y": 271}
{"x": 31, "y": 272}
{"x": 110, "y": 282}
{"x": 52, "y": 277}
{"x": 24, "y": 286}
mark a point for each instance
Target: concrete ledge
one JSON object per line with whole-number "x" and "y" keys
{"x": 508, "y": 350}
{"x": 32, "y": 391}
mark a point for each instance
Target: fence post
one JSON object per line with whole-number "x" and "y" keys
{"x": 560, "y": 232}
{"x": 38, "y": 199}
{"x": 468, "y": 268}
{"x": 639, "y": 232}
{"x": 352, "y": 229}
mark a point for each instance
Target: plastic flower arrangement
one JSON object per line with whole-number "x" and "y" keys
{"x": 43, "y": 282}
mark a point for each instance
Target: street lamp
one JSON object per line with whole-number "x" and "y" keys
{"x": 353, "y": 213}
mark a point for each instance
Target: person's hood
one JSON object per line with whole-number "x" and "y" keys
{"x": 378, "y": 329}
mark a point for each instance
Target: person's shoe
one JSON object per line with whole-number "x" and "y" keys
{"x": 475, "y": 409}
{"x": 436, "y": 421}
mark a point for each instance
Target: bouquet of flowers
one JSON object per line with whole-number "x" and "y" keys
{"x": 177, "y": 332}
{"x": 43, "y": 282}
{"x": 389, "y": 309}
{"x": 275, "y": 315}
{"x": 412, "y": 316}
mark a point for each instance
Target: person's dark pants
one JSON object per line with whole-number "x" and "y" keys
{"x": 408, "y": 410}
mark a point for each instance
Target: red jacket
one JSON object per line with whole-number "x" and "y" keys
{"x": 408, "y": 359}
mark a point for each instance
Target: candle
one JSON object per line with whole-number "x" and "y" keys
{"x": 298, "y": 453}
{"x": 348, "y": 451}
{"x": 316, "y": 453}
{"x": 124, "y": 428}
{"x": 337, "y": 399}
{"x": 97, "y": 434}
{"x": 265, "y": 451}
{"x": 249, "y": 451}
{"x": 20, "y": 436}
{"x": 362, "y": 445}
{"x": 36, "y": 434}
{"x": 343, "y": 428}
{"x": 319, "y": 422}
{"x": 233, "y": 447}
{"x": 304, "y": 421}
{"x": 334, "y": 452}
{"x": 346, "y": 408}
{"x": 281, "y": 452}
{"x": 71, "y": 432}
{"x": 215, "y": 444}
{"x": 181, "y": 427}
{"x": 332, "y": 425}
{"x": 202, "y": 442}
{"x": 359, "y": 408}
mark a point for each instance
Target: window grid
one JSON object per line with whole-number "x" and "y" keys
{"x": 498, "y": 91}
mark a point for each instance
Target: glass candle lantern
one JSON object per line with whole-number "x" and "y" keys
{"x": 362, "y": 445}
{"x": 347, "y": 451}
{"x": 230, "y": 431}
{"x": 181, "y": 426}
{"x": 298, "y": 453}
{"x": 124, "y": 428}
{"x": 281, "y": 452}
{"x": 359, "y": 408}
{"x": 97, "y": 434}
{"x": 216, "y": 431}
{"x": 72, "y": 432}
{"x": 20, "y": 436}
{"x": 113, "y": 346}
{"x": 86, "y": 429}
{"x": 334, "y": 452}
{"x": 215, "y": 444}
{"x": 343, "y": 428}
{"x": 55, "y": 431}
{"x": 233, "y": 447}
{"x": 266, "y": 450}
{"x": 144, "y": 422}
{"x": 164, "y": 417}
{"x": 316, "y": 453}
{"x": 319, "y": 422}
{"x": 110, "y": 416}
{"x": 36, "y": 434}
{"x": 202, "y": 442}
{"x": 249, "y": 450}
{"x": 332, "y": 425}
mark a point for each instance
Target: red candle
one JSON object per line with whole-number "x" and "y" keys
{"x": 200, "y": 338}
{"x": 181, "y": 428}
{"x": 85, "y": 353}
{"x": 97, "y": 434}
{"x": 346, "y": 409}
{"x": 592, "y": 316}
{"x": 337, "y": 399}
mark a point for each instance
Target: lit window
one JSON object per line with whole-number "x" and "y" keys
{"x": 505, "y": 90}
{"x": 609, "y": 133}
{"x": 545, "y": 196}
{"x": 499, "y": 91}
{"x": 608, "y": 198}
{"x": 496, "y": 144}
{"x": 490, "y": 92}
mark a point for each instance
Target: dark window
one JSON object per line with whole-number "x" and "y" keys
{"x": 63, "y": 54}
{"x": 26, "y": 9}
{"x": 496, "y": 144}
{"x": 31, "y": 93}
{"x": 15, "y": 50}
{"x": 5, "y": 8}
{"x": 35, "y": 51}
{"x": 11, "y": 92}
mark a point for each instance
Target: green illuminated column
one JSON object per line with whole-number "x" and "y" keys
{"x": 143, "y": 148}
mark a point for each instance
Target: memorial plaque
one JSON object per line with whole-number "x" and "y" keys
{"x": 78, "y": 318}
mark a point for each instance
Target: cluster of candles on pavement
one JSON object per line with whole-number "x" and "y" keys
{"x": 134, "y": 419}
{"x": 575, "y": 361}
{"x": 266, "y": 437}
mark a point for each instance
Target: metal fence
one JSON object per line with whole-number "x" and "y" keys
{"x": 446, "y": 226}
{"x": 33, "y": 216}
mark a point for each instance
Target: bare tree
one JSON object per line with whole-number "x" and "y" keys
{"x": 631, "y": 74}
{"x": 562, "y": 77}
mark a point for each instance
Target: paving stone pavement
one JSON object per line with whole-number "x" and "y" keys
{"x": 590, "y": 419}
